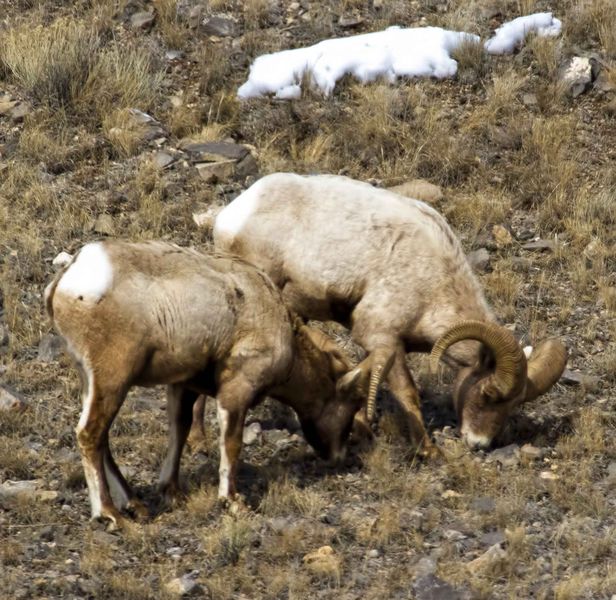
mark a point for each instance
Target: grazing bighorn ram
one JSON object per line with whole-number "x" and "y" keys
{"x": 155, "y": 313}
{"x": 392, "y": 268}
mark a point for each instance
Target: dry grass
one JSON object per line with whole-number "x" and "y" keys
{"x": 542, "y": 169}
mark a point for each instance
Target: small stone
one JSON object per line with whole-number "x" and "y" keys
{"x": 214, "y": 151}
{"x": 431, "y": 587}
{"x": 62, "y": 259}
{"x": 453, "y": 535}
{"x": 502, "y": 236}
{"x": 104, "y": 224}
{"x": 419, "y": 189}
{"x": 374, "y": 553}
{"x": 494, "y": 556}
{"x": 529, "y": 99}
{"x": 50, "y": 348}
{"x": 548, "y": 476}
{"x": 611, "y": 471}
{"x": 349, "y": 21}
{"x": 142, "y": 20}
{"x": 493, "y": 537}
{"x": 425, "y": 566}
{"x": 577, "y": 378}
{"x": 19, "y": 112}
{"x": 10, "y": 400}
{"x": 26, "y": 489}
{"x": 540, "y": 245}
{"x": 213, "y": 172}
{"x": 247, "y": 167}
{"x": 219, "y": 26}
{"x": 279, "y": 524}
{"x": 171, "y": 55}
{"x": 6, "y": 106}
{"x": 163, "y": 159}
{"x": 251, "y": 433}
{"x": 479, "y": 259}
{"x": 530, "y": 452}
{"x": 322, "y": 561}
{"x": 184, "y": 586}
{"x": 507, "y": 456}
{"x": 447, "y": 494}
{"x": 577, "y": 75}
{"x": 483, "y": 505}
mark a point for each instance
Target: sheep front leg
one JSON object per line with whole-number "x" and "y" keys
{"x": 100, "y": 407}
{"x": 405, "y": 392}
{"x": 232, "y": 403}
{"x": 180, "y": 403}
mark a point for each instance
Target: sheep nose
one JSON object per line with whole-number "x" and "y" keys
{"x": 337, "y": 456}
{"x": 476, "y": 441}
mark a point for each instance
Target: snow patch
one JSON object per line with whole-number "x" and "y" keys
{"x": 395, "y": 52}
{"x": 90, "y": 276}
{"x": 511, "y": 34}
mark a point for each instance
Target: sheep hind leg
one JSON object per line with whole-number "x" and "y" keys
{"x": 403, "y": 388}
{"x": 180, "y": 412}
{"x": 100, "y": 407}
{"x": 196, "y": 438}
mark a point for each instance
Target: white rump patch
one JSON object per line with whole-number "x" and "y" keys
{"x": 511, "y": 34}
{"x": 528, "y": 350}
{"x": 90, "y": 276}
{"x": 233, "y": 217}
{"x": 223, "y": 471}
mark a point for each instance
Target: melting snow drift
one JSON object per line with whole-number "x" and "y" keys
{"x": 395, "y": 52}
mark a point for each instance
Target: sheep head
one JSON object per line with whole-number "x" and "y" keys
{"x": 486, "y": 393}
{"x": 328, "y": 394}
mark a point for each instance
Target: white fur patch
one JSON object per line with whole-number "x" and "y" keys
{"x": 474, "y": 440}
{"x": 223, "y": 471}
{"x": 528, "y": 350}
{"x": 90, "y": 276}
{"x": 233, "y": 217}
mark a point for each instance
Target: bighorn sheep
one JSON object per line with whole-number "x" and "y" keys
{"x": 392, "y": 268}
{"x": 154, "y": 313}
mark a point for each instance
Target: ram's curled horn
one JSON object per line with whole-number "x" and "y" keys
{"x": 509, "y": 375}
{"x": 380, "y": 364}
{"x": 546, "y": 364}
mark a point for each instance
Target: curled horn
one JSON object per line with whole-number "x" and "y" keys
{"x": 546, "y": 364}
{"x": 509, "y": 375}
{"x": 380, "y": 360}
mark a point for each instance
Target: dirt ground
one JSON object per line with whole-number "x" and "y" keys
{"x": 519, "y": 159}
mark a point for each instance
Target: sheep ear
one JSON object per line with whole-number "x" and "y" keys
{"x": 356, "y": 380}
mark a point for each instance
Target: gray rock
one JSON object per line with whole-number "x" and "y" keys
{"x": 162, "y": 159}
{"x": 251, "y": 433}
{"x": 142, "y": 20}
{"x": 491, "y": 538}
{"x": 219, "y": 26}
{"x": 10, "y": 400}
{"x": 529, "y": 99}
{"x": 577, "y": 75}
{"x": 349, "y": 21}
{"x": 174, "y": 55}
{"x": 186, "y": 585}
{"x": 479, "y": 259}
{"x": 214, "y": 172}
{"x": 425, "y": 566}
{"x": 493, "y": 556}
{"x": 483, "y": 504}
{"x": 431, "y": 587}
{"x": 50, "y": 348}
{"x": 247, "y": 167}
{"x": 577, "y": 378}
{"x": 214, "y": 151}
{"x": 530, "y": 452}
{"x": 26, "y": 489}
{"x": 507, "y": 456}
{"x": 453, "y": 535}
{"x": 7, "y": 105}
{"x": 541, "y": 245}
{"x": 20, "y": 111}
{"x": 611, "y": 471}
{"x": 62, "y": 259}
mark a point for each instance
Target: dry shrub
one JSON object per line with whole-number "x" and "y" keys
{"x": 474, "y": 211}
{"x": 172, "y": 30}
{"x": 285, "y": 497}
{"x": 51, "y": 63}
{"x": 592, "y": 20}
{"x": 125, "y": 134}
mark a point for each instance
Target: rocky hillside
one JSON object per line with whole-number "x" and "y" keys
{"x": 120, "y": 118}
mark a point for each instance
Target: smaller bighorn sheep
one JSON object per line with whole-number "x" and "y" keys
{"x": 154, "y": 313}
{"x": 392, "y": 269}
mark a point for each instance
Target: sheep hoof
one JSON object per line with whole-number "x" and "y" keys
{"x": 111, "y": 515}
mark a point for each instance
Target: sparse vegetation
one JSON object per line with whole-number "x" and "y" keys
{"x": 510, "y": 147}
